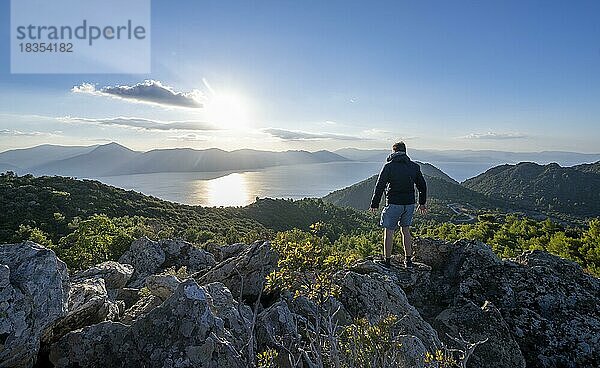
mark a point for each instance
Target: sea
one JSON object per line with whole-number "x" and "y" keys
{"x": 227, "y": 188}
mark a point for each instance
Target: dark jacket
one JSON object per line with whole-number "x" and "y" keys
{"x": 398, "y": 178}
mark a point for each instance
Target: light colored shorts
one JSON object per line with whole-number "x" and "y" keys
{"x": 394, "y": 215}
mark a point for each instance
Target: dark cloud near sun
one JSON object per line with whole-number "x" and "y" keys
{"x": 144, "y": 124}
{"x": 294, "y": 135}
{"x": 148, "y": 91}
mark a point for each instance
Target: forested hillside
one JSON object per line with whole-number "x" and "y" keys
{"x": 571, "y": 191}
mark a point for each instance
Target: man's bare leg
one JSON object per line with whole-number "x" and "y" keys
{"x": 388, "y": 243}
{"x": 407, "y": 242}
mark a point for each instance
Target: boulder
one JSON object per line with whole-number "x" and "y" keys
{"x": 114, "y": 274}
{"x": 223, "y": 252}
{"x": 412, "y": 352}
{"x": 476, "y": 324}
{"x": 162, "y": 285}
{"x": 236, "y": 316}
{"x": 143, "y": 306}
{"x": 276, "y": 328}
{"x": 34, "y": 291}
{"x": 184, "y": 331}
{"x": 375, "y": 296}
{"x": 129, "y": 296}
{"x": 150, "y": 257}
{"x": 244, "y": 273}
{"x": 549, "y": 304}
{"x": 88, "y": 304}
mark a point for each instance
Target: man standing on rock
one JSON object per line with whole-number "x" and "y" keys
{"x": 398, "y": 178}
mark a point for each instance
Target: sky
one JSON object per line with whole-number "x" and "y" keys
{"x": 279, "y": 75}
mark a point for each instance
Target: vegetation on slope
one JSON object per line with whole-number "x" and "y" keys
{"x": 87, "y": 222}
{"x": 552, "y": 189}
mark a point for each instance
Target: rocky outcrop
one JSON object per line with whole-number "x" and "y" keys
{"x": 162, "y": 285}
{"x": 483, "y": 323}
{"x": 34, "y": 290}
{"x": 375, "y": 295}
{"x": 149, "y": 257}
{"x": 277, "y": 330}
{"x": 88, "y": 304}
{"x": 547, "y": 304}
{"x": 184, "y": 331}
{"x": 114, "y": 274}
{"x": 144, "y": 305}
{"x": 223, "y": 252}
{"x": 244, "y": 273}
{"x": 535, "y": 310}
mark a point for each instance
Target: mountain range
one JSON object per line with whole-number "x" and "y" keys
{"x": 115, "y": 159}
{"x": 549, "y": 188}
{"x": 464, "y": 164}
{"x": 564, "y": 192}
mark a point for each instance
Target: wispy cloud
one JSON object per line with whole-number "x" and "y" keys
{"x": 191, "y": 137}
{"x": 19, "y": 133}
{"x": 494, "y": 136}
{"x": 148, "y": 91}
{"x": 295, "y": 135}
{"x": 143, "y": 124}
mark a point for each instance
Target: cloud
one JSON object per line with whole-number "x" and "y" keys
{"x": 495, "y": 136}
{"x": 192, "y": 137}
{"x": 18, "y": 133}
{"x": 148, "y": 91}
{"x": 143, "y": 124}
{"x": 294, "y": 135}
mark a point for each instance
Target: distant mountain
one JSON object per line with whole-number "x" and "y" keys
{"x": 482, "y": 156}
{"x": 100, "y": 160}
{"x": 35, "y": 156}
{"x": 464, "y": 164}
{"x": 442, "y": 191}
{"x": 115, "y": 159}
{"x": 549, "y": 188}
{"x": 430, "y": 170}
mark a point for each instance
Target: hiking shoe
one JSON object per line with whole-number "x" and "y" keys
{"x": 385, "y": 263}
{"x": 408, "y": 263}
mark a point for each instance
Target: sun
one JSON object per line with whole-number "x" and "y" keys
{"x": 229, "y": 110}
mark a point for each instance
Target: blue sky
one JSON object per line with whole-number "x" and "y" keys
{"x": 507, "y": 75}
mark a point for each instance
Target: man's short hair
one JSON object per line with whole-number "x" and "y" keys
{"x": 399, "y": 147}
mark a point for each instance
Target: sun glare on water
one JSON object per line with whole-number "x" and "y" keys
{"x": 228, "y": 190}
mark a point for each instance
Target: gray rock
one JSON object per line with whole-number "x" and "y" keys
{"x": 478, "y": 324}
{"x": 412, "y": 352}
{"x": 129, "y": 296}
{"x": 4, "y": 276}
{"x": 548, "y": 303}
{"x": 276, "y": 328}
{"x": 250, "y": 267}
{"x": 34, "y": 290}
{"x": 375, "y": 296}
{"x": 223, "y": 252}
{"x": 149, "y": 257}
{"x": 162, "y": 285}
{"x": 182, "y": 332}
{"x": 146, "y": 257}
{"x": 236, "y": 316}
{"x": 114, "y": 274}
{"x": 143, "y": 306}
{"x": 88, "y": 304}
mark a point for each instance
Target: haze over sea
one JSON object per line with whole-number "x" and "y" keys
{"x": 228, "y": 188}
